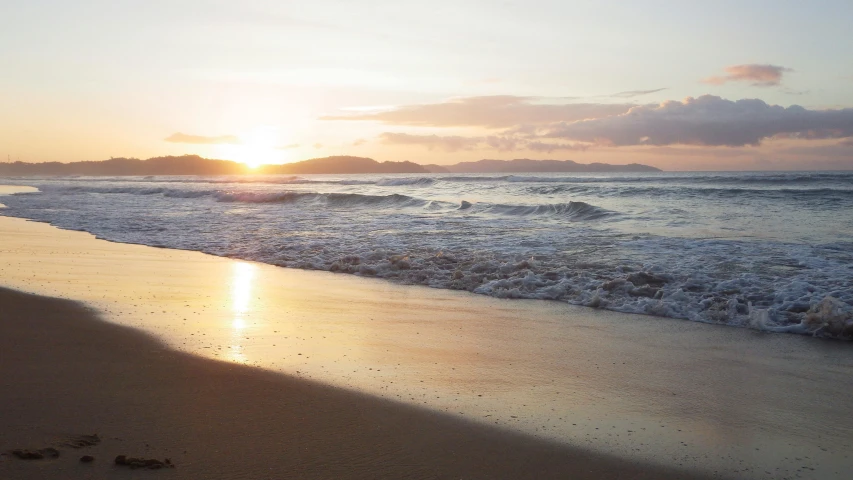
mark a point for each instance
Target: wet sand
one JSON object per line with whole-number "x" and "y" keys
{"x": 720, "y": 400}
{"x": 65, "y": 373}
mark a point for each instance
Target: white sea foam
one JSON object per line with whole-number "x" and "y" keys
{"x": 758, "y": 251}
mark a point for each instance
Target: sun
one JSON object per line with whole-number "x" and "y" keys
{"x": 257, "y": 147}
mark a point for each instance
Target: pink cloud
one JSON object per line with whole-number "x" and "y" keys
{"x": 454, "y": 143}
{"x": 499, "y": 111}
{"x": 757, "y": 75}
{"x": 447, "y": 143}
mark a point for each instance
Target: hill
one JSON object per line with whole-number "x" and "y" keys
{"x": 183, "y": 165}
{"x": 342, "y": 165}
{"x": 196, "y": 165}
{"x": 525, "y": 165}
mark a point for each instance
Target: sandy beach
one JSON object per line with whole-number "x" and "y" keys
{"x": 66, "y": 373}
{"x": 242, "y": 364}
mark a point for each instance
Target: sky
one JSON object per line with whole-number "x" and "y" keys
{"x": 681, "y": 85}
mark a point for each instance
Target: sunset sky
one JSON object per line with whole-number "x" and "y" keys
{"x": 682, "y": 85}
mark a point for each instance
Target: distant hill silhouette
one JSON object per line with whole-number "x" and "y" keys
{"x": 521, "y": 165}
{"x": 183, "y": 165}
{"x": 342, "y": 165}
{"x": 195, "y": 165}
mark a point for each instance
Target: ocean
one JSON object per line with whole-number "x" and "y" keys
{"x": 770, "y": 250}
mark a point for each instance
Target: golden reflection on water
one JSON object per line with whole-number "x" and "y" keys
{"x": 241, "y": 302}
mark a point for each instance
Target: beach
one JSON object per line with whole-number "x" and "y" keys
{"x": 242, "y": 364}
{"x": 67, "y": 373}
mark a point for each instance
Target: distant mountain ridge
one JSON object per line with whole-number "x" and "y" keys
{"x": 526, "y": 165}
{"x": 183, "y": 165}
{"x": 196, "y": 165}
{"x": 342, "y": 165}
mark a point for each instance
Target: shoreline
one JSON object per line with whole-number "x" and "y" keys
{"x": 645, "y": 389}
{"x": 815, "y": 320}
{"x": 67, "y": 373}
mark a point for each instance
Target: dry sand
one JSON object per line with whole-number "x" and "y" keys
{"x": 65, "y": 373}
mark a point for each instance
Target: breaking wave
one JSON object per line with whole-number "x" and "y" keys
{"x": 764, "y": 251}
{"x": 575, "y": 211}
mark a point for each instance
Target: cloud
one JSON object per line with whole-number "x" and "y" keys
{"x": 451, "y": 143}
{"x": 710, "y": 121}
{"x": 455, "y": 143}
{"x": 288, "y": 147}
{"x": 202, "y": 140}
{"x": 697, "y": 151}
{"x": 757, "y": 75}
{"x": 359, "y": 142}
{"x": 548, "y": 147}
{"x": 636, "y": 93}
{"x": 500, "y": 111}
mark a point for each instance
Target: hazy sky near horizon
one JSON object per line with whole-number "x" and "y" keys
{"x": 682, "y": 85}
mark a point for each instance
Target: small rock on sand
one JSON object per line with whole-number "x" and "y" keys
{"x": 149, "y": 463}
{"x": 39, "y": 454}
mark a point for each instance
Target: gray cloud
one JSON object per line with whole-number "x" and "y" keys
{"x": 757, "y": 75}
{"x": 548, "y": 147}
{"x": 454, "y": 143}
{"x": 491, "y": 112}
{"x": 698, "y": 151}
{"x": 636, "y": 93}
{"x": 450, "y": 143}
{"x": 202, "y": 140}
{"x": 708, "y": 120}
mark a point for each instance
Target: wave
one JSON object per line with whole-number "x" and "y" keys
{"x": 666, "y": 178}
{"x": 331, "y": 199}
{"x": 688, "y": 191}
{"x": 393, "y": 182}
{"x": 739, "y": 183}
{"x": 164, "y": 191}
{"x": 574, "y": 211}
{"x": 509, "y": 178}
{"x": 733, "y": 192}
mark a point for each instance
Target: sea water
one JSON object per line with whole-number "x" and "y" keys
{"x": 769, "y": 250}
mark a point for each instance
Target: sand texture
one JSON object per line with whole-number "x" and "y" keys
{"x": 65, "y": 373}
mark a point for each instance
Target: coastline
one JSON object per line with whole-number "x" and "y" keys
{"x": 651, "y": 390}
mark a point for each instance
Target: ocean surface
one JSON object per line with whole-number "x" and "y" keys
{"x": 772, "y": 251}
